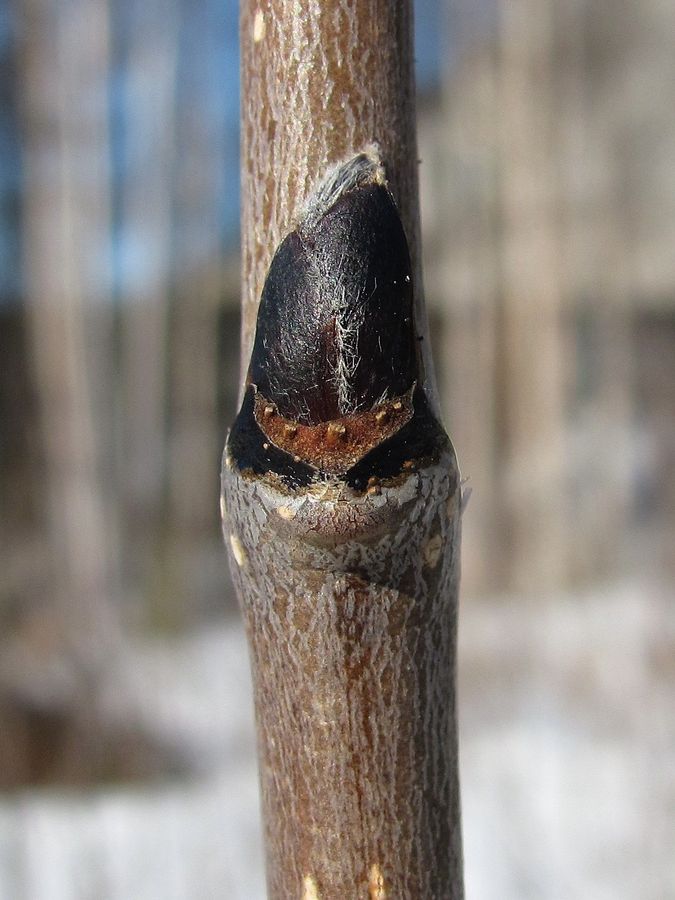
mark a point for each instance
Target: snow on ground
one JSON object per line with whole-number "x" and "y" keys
{"x": 567, "y": 721}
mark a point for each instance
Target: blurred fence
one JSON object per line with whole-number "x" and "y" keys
{"x": 549, "y": 188}
{"x": 119, "y": 342}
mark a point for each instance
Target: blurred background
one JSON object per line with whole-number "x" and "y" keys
{"x": 547, "y": 141}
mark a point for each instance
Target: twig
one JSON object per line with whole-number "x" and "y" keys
{"x": 341, "y": 496}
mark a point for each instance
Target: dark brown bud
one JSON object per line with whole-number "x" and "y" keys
{"x": 334, "y": 380}
{"x": 335, "y": 329}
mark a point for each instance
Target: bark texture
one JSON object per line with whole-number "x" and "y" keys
{"x": 344, "y": 550}
{"x": 350, "y": 607}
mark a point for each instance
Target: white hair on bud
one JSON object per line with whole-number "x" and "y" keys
{"x": 348, "y": 360}
{"x": 364, "y": 168}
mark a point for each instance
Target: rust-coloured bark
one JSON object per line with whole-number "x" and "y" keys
{"x": 341, "y": 508}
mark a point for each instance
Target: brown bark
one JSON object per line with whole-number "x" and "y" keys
{"x": 350, "y": 614}
{"x": 348, "y": 594}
